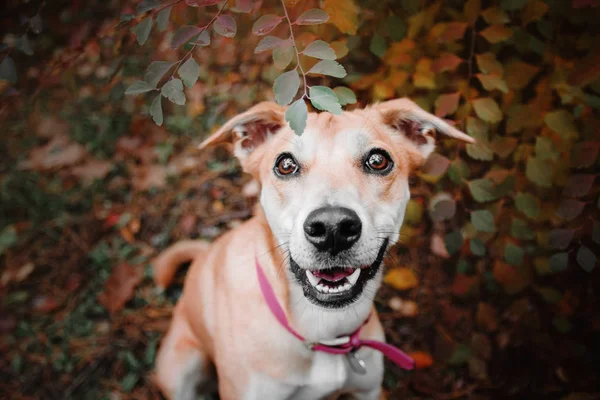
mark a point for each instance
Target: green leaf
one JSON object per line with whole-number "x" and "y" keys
{"x": 539, "y": 172}
{"x": 203, "y": 39}
{"x": 513, "y": 254}
{"x": 147, "y": 5}
{"x": 461, "y": 355}
{"x": 184, "y": 34}
{"x": 269, "y": 43}
{"x": 139, "y": 87}
{"x": 266, "y": 24}
{"x": 458, "y": 171}
{"x": 453, "y": 241}
{"x": 225, "y": 26}
{"x": 162, "y": 19}
{"x": 173, "y": 90}
{"x": 562, "y": 324}
{"x": 282, "y": 56}
{"x": 156, "y": 110}
{"x": 8, "y": 70}
{"x": 378, "y": 45}
{"x": 487, "y": 109}
{"x": 558, "y": 262}
{"x": 156, "y": 71}
{"x": 130, "y": 381}
{"x": 395, "y": 27}
{"x": 328, "y": 67}
{"x": 483, "y": 221}
{"x": 479, "y": 131}
{"x": 314, "y": 16}
{"x": 142, "y": 30}
{"x": 286, "y": 86}
{"x": 586, "y": 258}
{"x": 549, "y": 294}
{"x": 189, "y": 72}
{"x": 477, "y": 247}
{"x": 297, "y": 114}
{"x": 520, "y": 230}
{"x": 8, "y": 238}
{"x": 325, "y": 99}
{"x": 482, "y": 190}
{"x": 527, "y": 204}
{"x": 345, "y": 95}
{"x": 319, "y": 49}
{"x": 562, "y": 122}
{"x": 545, "y": 149}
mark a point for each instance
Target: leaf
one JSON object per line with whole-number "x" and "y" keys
{"x": 549, "y": 294}
{"x": 458, "y": 171}
{"x": 202, "y": 3}
{"x": 319, "y": 49}
{"x": 8, "y": 238}
{"x": 24, "y": 45}
{"x": 461, "y": 355}
{"x": 558, "y": 262}
{"x": 520, "y": 230}
{"x": 519, "y": 74}
{"x": 286, "y": 86}
{"x": 401, "y": 278}
{"x": 345, "y": 95}
{"x": 297, "y": 114}
{"x": 442, "y": 207}
{"x": 539, "y": 172}
{"x": 35, "y": 23}
{"x": 561, "y": 122}
{"x": 156, "y": 110}
{"x": 471, "y": 10}
{"x": 343, "y": 14}
{"x": 436, "y": 165}
{"x": 559, "y": 239}
{"x": 570, "y": 209}
{"x": 513, "y": 254}
{"x": 162, "y": 19}
{"x": 527, "y": 204}
{"x": 184, "y": 34}
{"x": 395, "y": 27}
{"x": 487, "y": 109}
{"x": 562, "y": 324}
{"x": 454, "y": 241}
{"x": 497, "y": 33}
{"x": 225, "y": 26}
{"x": 378, "y": 45}
{"x": 173, "y": 90}
{"x": 504, "y": 146}
{"x": 422, "y": 359}
{"x": 189, "y": 72}
{"x": 579, "y": 185}
{"x": 8, "y": 70}
{"x": 512, "y": 5}
{"x": 139, "y": 87}
{"x": 584, "y": 154}
{"x": 328, "y": 67}
{"x": 325, "y": 99}
{"x": 495, "y": 15}
{"x": 203, "y": 39}
{"x": 282, "y": 56}
{"x": 142, "y": 30}
{"x": 446, "y": 62}
{"x": 446, "y": 104}
{"x": 545, "y": 149}
{"x": 492, "y": 82}
{"x": 483, "y": 221}
{"x": 147, "y": 5}
{"x": 454, "y": 31}
{"x": 313, "y": 16}
{"x": 268, "y": 43}
{"x": 266, "y": 24}
{"x": 156, "y": 71}
{"x": 586, "y": 259}
{"x": 244, "y": 6}
{"x": 488, "y": 64}
{"x": 120, "y": 287}
{"x": 477, "y": 247}
{"x": 482, "y": 190}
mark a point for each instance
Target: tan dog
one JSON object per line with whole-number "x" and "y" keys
{"x": 333, "y": 201}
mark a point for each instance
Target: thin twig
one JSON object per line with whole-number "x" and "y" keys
{"x": 298, "y": 64}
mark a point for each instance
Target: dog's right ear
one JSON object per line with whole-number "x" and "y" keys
{"x": 250, "y": 129}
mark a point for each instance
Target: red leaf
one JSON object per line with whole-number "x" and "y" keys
{"x": 579, "y": 185}
{"x": 446, "y": 62}
{"x": 454, "y": 31}
{"x": 266, "y": 24}
{"x": 244, "y": 6}
{"x": 184, "y": 34}
{"x": 570, "y": 209}
{"x": 436, "y": 165}
{"x": 446, "y": 104}
{"x": 120, "y": 287}
{"x": 202, "y": 3}
{"x": 585, "y": 154}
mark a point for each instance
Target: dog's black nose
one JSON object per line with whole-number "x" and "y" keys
{"x": 332, "y": 229}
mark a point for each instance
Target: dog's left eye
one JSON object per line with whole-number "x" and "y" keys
{"x": 378, "y": 161}
{"x": 286, "y": 165}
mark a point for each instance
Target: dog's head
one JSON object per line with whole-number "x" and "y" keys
{"x": 335, "y": 196}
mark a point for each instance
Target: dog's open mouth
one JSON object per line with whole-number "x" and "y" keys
{"x": 336, "y": 287}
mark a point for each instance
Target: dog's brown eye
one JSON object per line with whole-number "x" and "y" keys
{"x": 286, "y": 165}
{"x": 378, "y": 161}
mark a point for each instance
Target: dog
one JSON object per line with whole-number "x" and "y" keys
{"x": 303, "y": 271}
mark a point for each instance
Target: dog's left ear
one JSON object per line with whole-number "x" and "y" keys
{"x": 417, "y": 125}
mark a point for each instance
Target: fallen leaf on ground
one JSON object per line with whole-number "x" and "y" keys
{"x": 91, "y": 170}
{"x": 60, "y": 152}
{"x": 401, "y": 278}
{"x": 120, "y": 287}
{"x": 422, "y": 359}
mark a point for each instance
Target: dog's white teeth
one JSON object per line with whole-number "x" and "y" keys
{"x": 345, "y": 287}
{"x": 311, "y": 278}
{"x": 354, "y": 277}
{"x": 321, "y": 288}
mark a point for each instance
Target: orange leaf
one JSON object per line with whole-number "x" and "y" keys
{"x": 446, "y": 62}
{"x": 401, "y": 278}
{"x": 120, "y": 287}
{"x": 497, "y": 33}
{"x": 454, "y": 31}
{"x": 446, "y": 104}
{"x": 422, "y": 359}
{"x": 343, "y": 14}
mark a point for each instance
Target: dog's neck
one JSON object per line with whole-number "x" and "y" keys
{"x": 314, "y": 322}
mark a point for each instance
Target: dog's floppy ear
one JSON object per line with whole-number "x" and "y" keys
{"x": 417, "y": 125}
{"x": 250, "y": 129}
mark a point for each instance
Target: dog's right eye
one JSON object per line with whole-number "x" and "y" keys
{"x": 286, "y": 165}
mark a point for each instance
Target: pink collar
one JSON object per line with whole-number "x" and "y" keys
{"x": 343, "y": 345}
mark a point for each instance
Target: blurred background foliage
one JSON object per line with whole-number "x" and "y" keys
{"x": 494, "y": 287}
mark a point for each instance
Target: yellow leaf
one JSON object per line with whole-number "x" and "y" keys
{"x": 398, "y": 78}
{"x": 497, "y": 33}
{"x": 340, "y": 48}
{"x": 382, "y": 91}
{"x": 533, "y": 11}
{"x": 472, "y": 8}
{"x": 488, "y": 64}
{"x": 401, "y": 278}
{"x": 487, "y": 109}
{"x": 343, "y": 14}
{"x": 495, "y": 15}
{"x": 492, "y": 82}
{"x": 399, "y": 53}
{"x": 518, "y": 74}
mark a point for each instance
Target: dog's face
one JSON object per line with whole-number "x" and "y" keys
{"x": 335, "y": 196}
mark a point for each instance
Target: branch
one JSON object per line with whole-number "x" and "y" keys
{"x": 298, "y": 64}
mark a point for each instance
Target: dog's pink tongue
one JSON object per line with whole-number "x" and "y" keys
{"x": 333, "y": 275}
